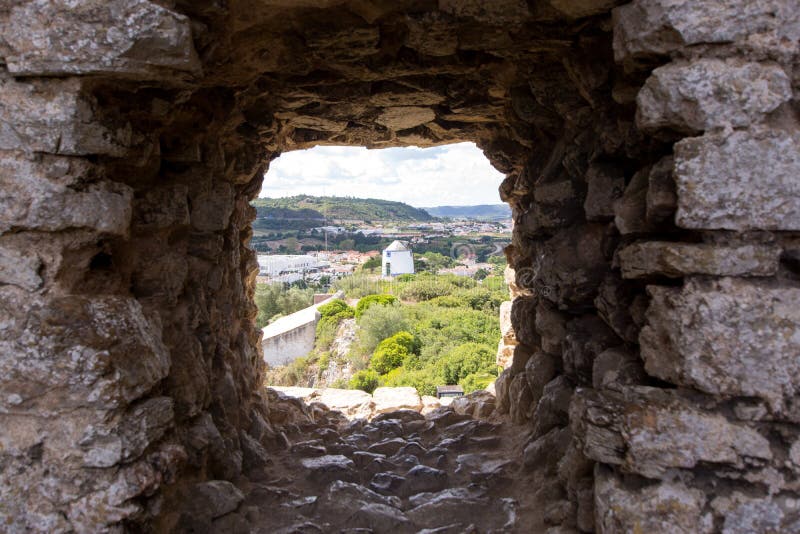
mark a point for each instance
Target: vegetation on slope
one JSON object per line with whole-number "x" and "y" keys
{"x": 307, "y": 207}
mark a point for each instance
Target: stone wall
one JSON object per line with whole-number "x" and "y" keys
{"x": 293, "y": 336}
{"x": 285, "y": 347}
{"x": 651, "y": 159}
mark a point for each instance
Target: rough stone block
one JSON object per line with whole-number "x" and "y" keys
{"x": 664, "y": 507}
{"x": 66, "y": 352}
{"x": 107, "y": 445}
{"x": 571, "y": 266}
{"x": 744, "y": 180}
{"x": 650, "y": 431}
{"x": 34, "y": 199}
{"x": 550, "y": 326}
{"x": 605, "y": 184}
{"x": 710, "y": 93}
{"x": 661, "y": 199}
{"x": 540, "y": 369}
{"x": 523, "y": 317}
{"x": 20, "y": 268}
{"x": 583, "y": 8}
{"x": 211, "y": 210}
{"x": 656, "y": 27}
{"x": 743, "y": 514}
{"x": 675, "y": 260}
{"x": 161, "y": 208}
{"x": 725, "y": 337}
{"x": 54, "y": 116}
{"x": 621, "y": 306}
{"x": 134, "y": 37}
{"x": 519, "y": 399}
{"x": 404, "y": 117}
{"x": 617, "y": 366}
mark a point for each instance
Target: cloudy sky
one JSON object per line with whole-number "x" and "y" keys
{"x": 450, "y": 175}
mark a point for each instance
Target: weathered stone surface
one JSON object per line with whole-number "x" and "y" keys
{"x": 404, "y": 117}
{"x": 478, "y": 404}
{"x": 32, "y": 200}
{"x": 586, "y": 337}
{"x": 630, "y": 211}
{"x": 710, "y": 93}
{"x": 651, "y": 431}
{"x": 744, "y": 180}
{"x": 675, "y": 260}
{"x": 743, "y": 514}
{"x": 135, "y": 37}
{"x": 523, "y": 316}
{"x": 621, "y": 306}
{"x": 572, "y": 266}
{"x": 553, "y": 408}
{"x": 617, "y": 366}
{"x": 392, "y": 399}
{"x": 20, "y": 269}
{"x": 109, "y": 445}
{"x": 539, "y": 371}
{"x": 583, "y": 8}
{"x": 647, "y": 27}
{"x": 664, "y": 507}
{"x": 550, "y": 326}
{"x": 56, "y": 117}
{"x": 213, "y": 499}
{"x": 661, "y": 200}
{"x": 352, "y": 403}
{"x": 117, "y": 353}
{"x": 725, "y": 337}
{"x": 545, "y": 451}
{"x": 520, "y": 399}
{"x": 605, "y": 184}
{"x": 329, "y": 468}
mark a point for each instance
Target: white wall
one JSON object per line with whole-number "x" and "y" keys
{"x": 400, "y": 262}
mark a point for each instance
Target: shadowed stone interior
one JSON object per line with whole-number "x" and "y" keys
{"x": 651, "y": 155}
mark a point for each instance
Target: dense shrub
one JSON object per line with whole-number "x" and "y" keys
{"x": 465, "y": 360}
{"x": 366, "y": 380}
{"x": 378, "y": 323}
{"x": 370, "y": 300}
{"x": 423, "y": 380}
{"x": 477, "y": 381}
{"x": 392, "y": 352}
{"x": 337, "y": 308}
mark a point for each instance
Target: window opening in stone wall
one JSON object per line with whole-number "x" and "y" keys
{"x": 381, "y": 275}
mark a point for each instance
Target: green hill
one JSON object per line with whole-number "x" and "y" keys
{"x": 482, "y": 211}
{"x": 316, "y": 209}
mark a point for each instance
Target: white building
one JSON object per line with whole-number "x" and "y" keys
{"x": 397, "y": 259}
{"x": 277, "y": 264}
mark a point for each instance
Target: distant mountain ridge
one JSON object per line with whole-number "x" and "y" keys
{"x": 481, "y": 211}
{"x": 313, "y": 208}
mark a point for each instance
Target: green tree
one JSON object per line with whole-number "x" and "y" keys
{"x": 392, "y": 352}
{"x": 480, "y": 274}
{"x": 366, "y": 380}
{"x": 378, "y": 323}
{"x": 276, "y": 299}
{"x": 364, "y": 304}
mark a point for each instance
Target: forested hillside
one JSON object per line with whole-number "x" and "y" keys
{"x": 306, "y": 207}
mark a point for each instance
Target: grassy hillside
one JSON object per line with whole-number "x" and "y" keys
{"x": 482, "y": 211}
{"x": 306, "y": 207}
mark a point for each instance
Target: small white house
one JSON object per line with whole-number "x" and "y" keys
{"x": 397, "y": 259}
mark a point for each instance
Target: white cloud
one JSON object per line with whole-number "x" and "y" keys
{"x": 456, "y": 174}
